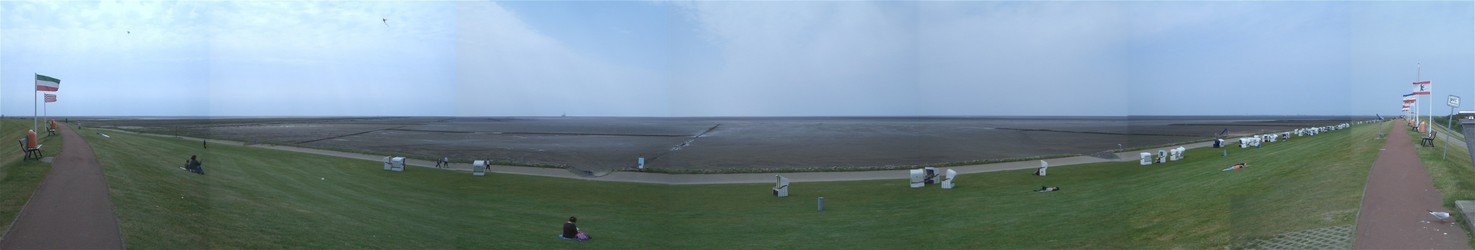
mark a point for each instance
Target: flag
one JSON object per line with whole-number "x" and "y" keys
{"x": 1406, "y": 96}
{"x": 1405, "y": 108}
{"x": 50, "y": 98}
{"x": 1422, "y": 88}
{"x": 46, "y": 83}
{"x": 1409, "y": 98}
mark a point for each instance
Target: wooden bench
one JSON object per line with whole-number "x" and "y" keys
{"x": 31, "y": 153}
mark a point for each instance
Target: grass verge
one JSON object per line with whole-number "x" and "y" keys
{"x": 260, "y": 198}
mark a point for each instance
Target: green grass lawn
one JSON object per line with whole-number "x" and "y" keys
{"x": 1453, "y": 175}
{"x": 259, "y": 198}
{"x": 19, "y": 179}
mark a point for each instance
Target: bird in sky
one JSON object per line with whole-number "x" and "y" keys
{"x": 386, "y": 21}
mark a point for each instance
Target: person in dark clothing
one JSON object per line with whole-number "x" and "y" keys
{"x": 571, "y": 230}
{"x": 193, "y": 165}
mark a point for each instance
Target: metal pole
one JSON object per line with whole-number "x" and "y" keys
{"x": 1447, "y": 121}
{"x": 33, "y": 109}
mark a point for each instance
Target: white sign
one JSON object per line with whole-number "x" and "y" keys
{"x": 1454, "y": 101}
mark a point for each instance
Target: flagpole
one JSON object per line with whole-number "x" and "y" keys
{"x": 34, "y": 123}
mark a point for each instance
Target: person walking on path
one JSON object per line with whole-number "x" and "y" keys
{"x": 1395, "y": 201}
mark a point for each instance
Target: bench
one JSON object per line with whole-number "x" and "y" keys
{"x": 31, "y": 153}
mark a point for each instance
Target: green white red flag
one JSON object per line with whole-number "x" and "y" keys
{"x": 47, "y": 83}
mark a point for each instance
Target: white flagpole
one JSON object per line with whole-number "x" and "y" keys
{"x": 1419, "y": 76}
{"x": 34, "y": 123}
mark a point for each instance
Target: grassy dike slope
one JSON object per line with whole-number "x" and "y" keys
{"x": 259, "y": 198}
{"x": 19, "y": 179}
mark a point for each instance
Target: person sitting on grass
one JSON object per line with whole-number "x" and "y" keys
{"x": 193, "y": 165}
{"x": 1235, "y": 167}
{"x": 571, "y": 231}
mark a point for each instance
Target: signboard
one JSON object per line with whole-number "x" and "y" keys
{"x": 1454, "y": 101}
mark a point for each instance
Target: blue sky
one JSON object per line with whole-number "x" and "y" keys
{"x": 732, "y": 58}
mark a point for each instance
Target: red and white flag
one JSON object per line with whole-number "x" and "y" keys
{"x": 50, "y": 98}
{"x": 1422, "y": 88}
{"x": 46, "y": 83}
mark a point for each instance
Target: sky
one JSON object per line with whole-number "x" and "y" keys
{"x": 733, "y": 58}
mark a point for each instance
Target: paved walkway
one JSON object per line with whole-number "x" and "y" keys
{"x": 692, "y": 179}
{"x": 71, "y": 209}
{"x": 1394, "y": 205}
{"x": 1338, "y": 237}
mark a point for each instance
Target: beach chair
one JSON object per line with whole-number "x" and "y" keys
{"x": 781, "y": 186}
{"x": 479, "y": 168}
{"x": 1146, "y": 158}
{"x": 947, "y": 182}
{"x": 398, "y": 164}
{"x": 918, "y": 178}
